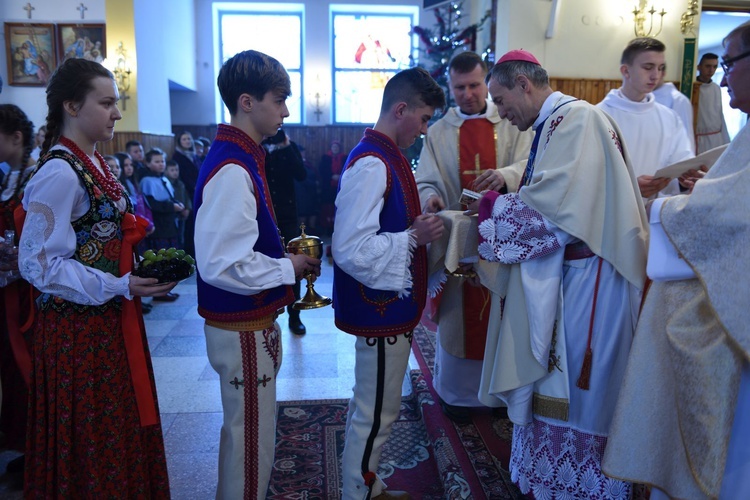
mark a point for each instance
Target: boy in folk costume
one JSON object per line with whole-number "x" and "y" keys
{"x": 380, "y": 266}
{"x": 244, "y": 274}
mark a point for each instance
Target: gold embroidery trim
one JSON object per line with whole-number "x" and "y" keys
{"x": 547, "y": 406}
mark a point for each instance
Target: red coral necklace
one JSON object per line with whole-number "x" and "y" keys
{"x": 111, "y": 187}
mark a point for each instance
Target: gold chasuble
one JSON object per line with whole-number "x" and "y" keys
{"x": 477, "y": 152}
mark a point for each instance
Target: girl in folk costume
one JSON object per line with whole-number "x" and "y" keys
{"x": 93, "y": 427}
{"x": 16, "y": 143}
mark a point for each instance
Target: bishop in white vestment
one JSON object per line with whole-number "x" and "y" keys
{"x": 574, "y": 237}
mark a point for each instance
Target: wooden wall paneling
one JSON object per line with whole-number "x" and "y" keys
{"x": 117, "y": 144}
{"x": 591, "y": 90}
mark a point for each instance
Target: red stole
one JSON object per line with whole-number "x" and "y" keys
{"x": 477, "y": 152}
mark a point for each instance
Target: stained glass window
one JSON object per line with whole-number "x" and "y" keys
{"x": 258, "y": 28}
{"x": 368, "y": 49}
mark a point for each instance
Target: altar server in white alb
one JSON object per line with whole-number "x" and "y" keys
{"x": 684, "y": 409}
{"x": 464, "y": 149}
{"x": 574, "y": 236}
{"x": 653, "y": 134}
{"x": 667, "y": 95}
{"x": 711, "y": 128}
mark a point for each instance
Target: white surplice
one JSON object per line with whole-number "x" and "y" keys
{"x": 668, "y": 95}
{"x": 711, "y": 128}
{"x": 653, "y": 134}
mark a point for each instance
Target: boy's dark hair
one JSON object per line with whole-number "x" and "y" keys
{"x": 466, "y": 62}
{"x": 415, "y": 87}
{"x": 13, "y": 119}
{"x": 251, "y": 72}
{"x": 638, "y": 46}
{"x": 708, "y": 55}
{"x": 130, "y": 144}
{"x": 172, "y": 163}
{"x": 71, "y": 81}
{"x": 276, "y": 139}
{"x": 153, "y": 152}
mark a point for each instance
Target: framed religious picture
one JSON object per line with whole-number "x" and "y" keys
{"x": 31, "y": 54}
{"x": 82, "y": 41}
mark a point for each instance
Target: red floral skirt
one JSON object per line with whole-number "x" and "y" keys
{"x": 84, "y": 435}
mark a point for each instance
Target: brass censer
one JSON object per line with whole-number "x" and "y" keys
{"x": 312, "y": 246}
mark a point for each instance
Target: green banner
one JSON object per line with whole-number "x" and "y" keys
{"x": 688, "y": 67}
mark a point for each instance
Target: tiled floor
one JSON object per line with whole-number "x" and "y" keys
{"x": 318, "y": 365}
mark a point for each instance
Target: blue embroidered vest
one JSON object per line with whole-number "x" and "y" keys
{"x": 360, "y": 310}
{"x": 234, "y": 146}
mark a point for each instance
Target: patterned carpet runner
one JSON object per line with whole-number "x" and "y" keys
{"x": 427, "y": 454}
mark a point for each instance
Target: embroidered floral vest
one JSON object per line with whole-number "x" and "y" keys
{"x": 360, "y": 310}
{"x": 98, "y": 233}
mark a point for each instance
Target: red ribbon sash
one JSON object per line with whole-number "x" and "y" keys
{"x": 133, "y": 231}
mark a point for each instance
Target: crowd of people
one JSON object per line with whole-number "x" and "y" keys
{"x": 613, "y": 370}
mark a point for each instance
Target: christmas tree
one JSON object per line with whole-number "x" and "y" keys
{"x": 445, "y": 39}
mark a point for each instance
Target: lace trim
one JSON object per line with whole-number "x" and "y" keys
{"x": 514, "y": 233}
{"x": 560, "y": 462}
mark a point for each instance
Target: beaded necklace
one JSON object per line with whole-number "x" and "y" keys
{"x": 111, "y": 187}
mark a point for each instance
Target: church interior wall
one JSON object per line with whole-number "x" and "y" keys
{"x": 32, "y": 99}
{"x": 588, "y": 35}
{"x": 174, "y": 42}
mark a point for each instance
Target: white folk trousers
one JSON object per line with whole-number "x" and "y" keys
{"x": 380, "y": 366}
{"x": 247, "y": 364}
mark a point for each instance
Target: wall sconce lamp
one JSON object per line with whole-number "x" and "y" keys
{"x": 122, "y": 74}
{"x": 318, "y": 96}
{"x": 687, "y": 21}
{"x": 640, "y": 16}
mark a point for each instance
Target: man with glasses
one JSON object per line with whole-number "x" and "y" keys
{"x": 685, "y": 402}
{"x": 710, "y": 129}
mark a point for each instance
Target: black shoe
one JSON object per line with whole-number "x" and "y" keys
{"x": 170, "y": 297}
{"x": 146, "y": 307}
{"x": 458, "y": 414}
{"x": 16, "y": 465}
{"x": 296, "y": 326}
